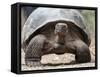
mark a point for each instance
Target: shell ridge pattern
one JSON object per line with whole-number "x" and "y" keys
{"x": 41, "y": 16}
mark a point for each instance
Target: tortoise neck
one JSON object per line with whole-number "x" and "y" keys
{"x": 60, "y": 39}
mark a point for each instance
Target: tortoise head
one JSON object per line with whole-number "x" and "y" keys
{"x": 61, "y": 28}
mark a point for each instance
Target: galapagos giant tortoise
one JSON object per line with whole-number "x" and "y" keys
{"x": 55, "y": 30}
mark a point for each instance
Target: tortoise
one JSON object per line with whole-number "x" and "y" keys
{"x": 55, "y": 30}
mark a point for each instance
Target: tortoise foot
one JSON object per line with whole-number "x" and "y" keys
{"x": 33, "y": 63}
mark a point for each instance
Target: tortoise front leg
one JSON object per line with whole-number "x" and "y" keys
{"x": 82, "y": 52}
{"x": 34, "y": 51}
{"x": 80, "y": 49}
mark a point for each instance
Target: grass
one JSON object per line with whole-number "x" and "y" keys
{"x": 89, "y": 20}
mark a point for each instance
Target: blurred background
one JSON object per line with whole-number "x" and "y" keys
{"x": 89, "y": 20}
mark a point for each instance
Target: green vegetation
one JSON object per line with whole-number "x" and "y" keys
{"x": 89, "y": 19}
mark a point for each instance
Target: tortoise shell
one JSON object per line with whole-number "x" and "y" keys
{"x": 43, "y": 21}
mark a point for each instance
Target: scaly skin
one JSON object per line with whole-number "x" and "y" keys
{"x": 33, "y": 51}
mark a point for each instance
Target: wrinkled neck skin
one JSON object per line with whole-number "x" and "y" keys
{"x": 60, "y": 39}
